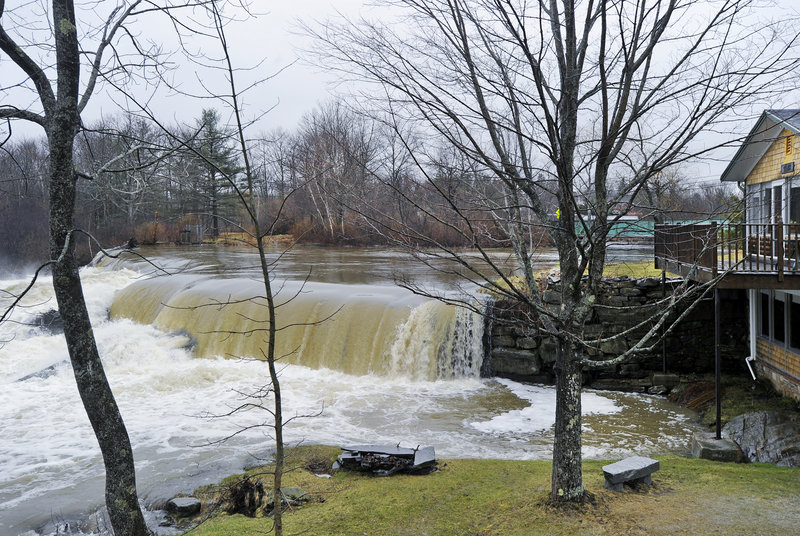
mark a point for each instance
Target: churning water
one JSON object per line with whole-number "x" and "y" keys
{"x": 371, "y": 362}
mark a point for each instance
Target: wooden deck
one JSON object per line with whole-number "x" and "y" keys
{"x": 745, "y": 255}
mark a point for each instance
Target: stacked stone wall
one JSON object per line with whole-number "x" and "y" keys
{"x": 519, "y": 350}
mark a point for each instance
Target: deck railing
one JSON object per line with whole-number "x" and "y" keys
{"x": 743, "y": 247}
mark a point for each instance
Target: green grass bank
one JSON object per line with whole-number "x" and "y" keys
{"x": 501, "y": 497}
{"x": 476, "y": 497}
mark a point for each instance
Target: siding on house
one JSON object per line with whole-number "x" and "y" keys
{"x": 775, "y": 359}
{"x": 768, "y": 167}
{"x": 770, "y": 365}
{"x": 778, "y": 357}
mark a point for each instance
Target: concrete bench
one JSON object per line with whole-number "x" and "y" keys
{"x": 633, "y": 470}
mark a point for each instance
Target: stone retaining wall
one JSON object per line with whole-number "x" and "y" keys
{"x": 519, "y": 351}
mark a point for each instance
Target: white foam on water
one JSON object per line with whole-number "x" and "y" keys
{"x": 41, "y": 298}
{"x": 50, "y": 462}
{"x": 48, "y": 454}
{"x": 541, "y": 413}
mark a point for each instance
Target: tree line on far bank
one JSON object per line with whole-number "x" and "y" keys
{"x": 336, "y": 177}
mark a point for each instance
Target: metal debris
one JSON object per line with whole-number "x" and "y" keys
{"x": 384, "y": 460}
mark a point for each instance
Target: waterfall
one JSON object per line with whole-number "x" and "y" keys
{"x": 356, "y": 329}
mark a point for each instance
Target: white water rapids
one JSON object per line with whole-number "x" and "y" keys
{"x": 50, "y": 467}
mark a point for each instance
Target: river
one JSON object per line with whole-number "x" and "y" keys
{"x": 365, "y": 362}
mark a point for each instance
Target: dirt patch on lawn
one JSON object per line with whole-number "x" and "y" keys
{"x": 663, "y": 510}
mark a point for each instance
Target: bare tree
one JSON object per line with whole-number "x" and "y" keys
{"x": 275, "y": 154}
{"x": 23, "y": 203}
{"x": 245, "y": 194}
{"x": 556, "y": 100}
{"x": 230, "y": 166}
{"x": 660, "y": 198}
{"x": 127, "y": 164}
{"x": 59, "y": 100}
{"x": 334, "y": 148}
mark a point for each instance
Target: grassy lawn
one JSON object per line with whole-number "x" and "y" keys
{"x": 478, "y": 497}
{"x": 633, "y": 269}
{"x": 509, "y": 498}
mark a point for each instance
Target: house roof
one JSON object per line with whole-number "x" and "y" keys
{"x": 761, "y": 136}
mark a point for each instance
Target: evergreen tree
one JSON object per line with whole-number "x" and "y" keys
{"x": 217, "y": 168}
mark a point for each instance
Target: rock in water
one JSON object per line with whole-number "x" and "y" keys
{"x": 50, "y": 321}
{"x": 183, "y": 506}
{"x": 45, "y": 372}
{"x": 766, "y": 436}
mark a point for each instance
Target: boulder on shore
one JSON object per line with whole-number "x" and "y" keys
{"x": 704, "y": 445}
{"x": 767, "y": 436}
{"x": 50, "y": 322}
{"x": 183, "y": 506}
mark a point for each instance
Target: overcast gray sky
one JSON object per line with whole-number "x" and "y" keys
{"x": 272, "y": 35}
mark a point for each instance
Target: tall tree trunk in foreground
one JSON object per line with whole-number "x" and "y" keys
{"x": 556, "y": 102}
{"x": 98, "y": 400}
{"x": 61, "y": 122}
{"x": 567, "y": 480}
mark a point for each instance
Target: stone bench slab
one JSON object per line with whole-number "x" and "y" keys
{"x": 636, "y": 469}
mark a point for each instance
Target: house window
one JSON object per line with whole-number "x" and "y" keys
{"x": 764, "y": 314}
{"x": 779, "y": 317}
{"x": 760, "y": 212}
{"x": 794, "y": 204}
{"x": 765, "y": 217}
{"x": 778, "y": 203}
{"x": 753, "y": 201}
{"x": 794, "y": 321}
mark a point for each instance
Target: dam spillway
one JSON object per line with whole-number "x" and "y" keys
{"x": 355, "y": 329}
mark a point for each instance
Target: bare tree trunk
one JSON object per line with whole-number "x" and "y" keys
{"x": 277, "y": 495}
{"x": 61, "y": 125}
{"x": 246, "y": 199}
{"x": 567, "y": 479}
{"x": 214, "y": 206}
{"x": 98, "y": 400}
{"x": 555, "y": 98}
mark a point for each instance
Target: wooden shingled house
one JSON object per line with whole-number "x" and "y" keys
{"x": 760, "y": 255}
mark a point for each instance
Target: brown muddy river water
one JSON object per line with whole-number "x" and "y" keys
{"x": 387, "y": 366}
